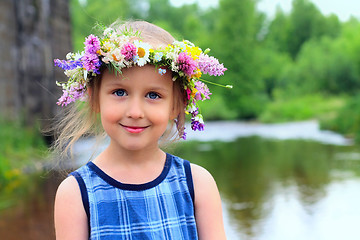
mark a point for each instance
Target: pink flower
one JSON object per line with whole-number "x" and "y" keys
{"x": 72, "y": 94}
{"x": 129, "y": 51}
{"x": 91, "y": 62}
{"x": 202, "y": 91}
{"x": 186, "y": 64}
{"x": 92, "y": 44}
{"x": 188, "y": 93}
{"x": 210, "y": 65}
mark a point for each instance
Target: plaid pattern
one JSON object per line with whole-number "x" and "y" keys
{"x": 161, "y": 209}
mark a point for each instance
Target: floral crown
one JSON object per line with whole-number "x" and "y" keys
{"x": 121, "y": 49}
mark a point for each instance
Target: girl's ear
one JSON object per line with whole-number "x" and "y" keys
{"x": 174, "y": 113}
{"x": 176, "y": 109}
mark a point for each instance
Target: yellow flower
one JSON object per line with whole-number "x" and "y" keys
{"x": 197, "y": 74}
{"x": 194, "y": 91}
{"x": 194, "y": 52}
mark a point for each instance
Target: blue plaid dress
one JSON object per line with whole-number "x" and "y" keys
{"x": 160, "y": 209}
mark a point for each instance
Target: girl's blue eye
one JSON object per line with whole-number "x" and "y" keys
{"x": 120, "y": 92}
{"x": 153, "y": 95}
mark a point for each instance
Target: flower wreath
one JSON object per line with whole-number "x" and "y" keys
{"x": 120, "y": 49}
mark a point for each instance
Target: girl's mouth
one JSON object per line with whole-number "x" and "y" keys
{"x": 133, "y": 129}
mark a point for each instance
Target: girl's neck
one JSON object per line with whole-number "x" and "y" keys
{"x": 134, "y": 167}
{"x": 113, "y": 155}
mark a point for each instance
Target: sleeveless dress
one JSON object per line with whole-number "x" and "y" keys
{"x": 160, "y": 209}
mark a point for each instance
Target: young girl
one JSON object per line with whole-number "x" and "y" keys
{"x": 136, "y": 79}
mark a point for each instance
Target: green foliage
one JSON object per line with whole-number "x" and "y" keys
{"x": 236, "y": 42}
{"x": 325, "y": 65}
{"x": 322, "y": 65}
{"x": 302, "y": 108}
{"x": 270, "y": 67}
{"x": 216, "y": 109}
{"x": 347, "y": 120}
{"x": 307, "y": 22}
{"x": 20, "y": 147}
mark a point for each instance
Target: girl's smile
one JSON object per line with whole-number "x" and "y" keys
{"x": 134, "y": 129}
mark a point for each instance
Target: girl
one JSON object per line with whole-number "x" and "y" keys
{"x": 136, "y": 79}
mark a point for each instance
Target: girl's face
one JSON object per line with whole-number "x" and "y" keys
{"x": 135, "y": 106}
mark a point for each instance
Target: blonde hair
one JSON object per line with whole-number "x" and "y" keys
{"x": 81, "y": 119}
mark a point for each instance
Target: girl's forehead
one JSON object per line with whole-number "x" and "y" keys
{"x": 136, "y": 75}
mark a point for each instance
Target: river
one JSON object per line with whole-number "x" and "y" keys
{"x": 277, "y": 181}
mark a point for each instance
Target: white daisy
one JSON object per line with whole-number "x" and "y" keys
{"x": 143, "y": 53}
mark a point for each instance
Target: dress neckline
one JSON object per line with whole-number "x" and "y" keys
{"x": 133, "y": 187}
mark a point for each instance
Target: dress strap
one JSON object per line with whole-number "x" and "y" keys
{"x": 84, "y": 194}
{"x": 189, "y": 179}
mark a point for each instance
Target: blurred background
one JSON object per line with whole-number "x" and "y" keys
{"x": 283, "y": 144}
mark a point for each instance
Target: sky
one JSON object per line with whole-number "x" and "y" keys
{"x": 342, "y": 8}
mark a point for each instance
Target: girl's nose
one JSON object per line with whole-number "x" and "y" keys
{"x": 135, "y": 108}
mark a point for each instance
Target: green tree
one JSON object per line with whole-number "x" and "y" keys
{"x": 328, "y": 65}
{"x": 277, "y": 32}
{"x": 303, "y": 20}
{"x": 271, "y": 64}
{"x": 235, "y": 40}
{"x": 307, "y": 22}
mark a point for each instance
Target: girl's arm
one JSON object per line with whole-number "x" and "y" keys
{"x": 70, "y": 217}
{"x": 208, "y": 211}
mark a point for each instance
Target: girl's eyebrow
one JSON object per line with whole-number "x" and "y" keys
{"x": 159, "y": 88}
{"x": 113, "y": 83}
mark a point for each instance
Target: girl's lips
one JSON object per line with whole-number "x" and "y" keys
{"x": 134, "y": 129}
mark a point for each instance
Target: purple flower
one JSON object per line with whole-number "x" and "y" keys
{"x": 183, "y": 136}
{"x": 195, "y": 112}
{"x": 203, "y": 91}
{"x": 129, "y": 51}
{"x": 91, "y": 62}
{"x": 67, "y": 65}
{"x": 210, "y": 65}
{"x": 71, "y": 95}
{"x": 92, "y": 44}
{"x": 196, "y": 125}
{"x": 186, "y": 64}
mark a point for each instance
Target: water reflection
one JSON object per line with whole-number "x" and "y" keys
{"x": 257, "y": 176}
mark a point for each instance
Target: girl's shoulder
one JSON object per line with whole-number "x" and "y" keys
{"x": 69, "y": 210}
{"x": 201, "y": 176}
{"x": 207, "y": 205}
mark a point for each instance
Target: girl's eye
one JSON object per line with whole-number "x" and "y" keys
{"x": 120, "y": 92}
{"x": 152, "y": 95}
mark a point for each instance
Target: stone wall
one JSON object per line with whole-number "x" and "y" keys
{"x": 32, "y": 34}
